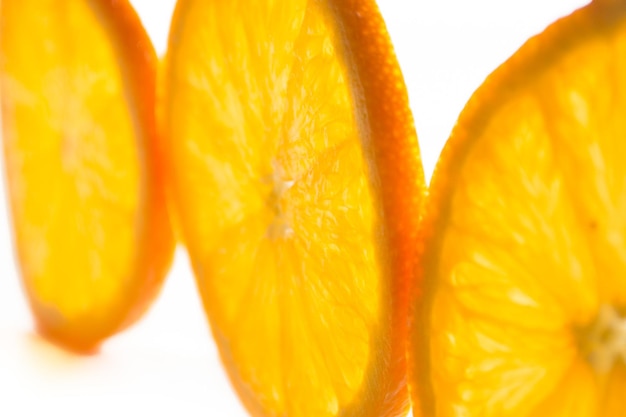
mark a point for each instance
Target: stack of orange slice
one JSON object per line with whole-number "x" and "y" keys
{"x": 294, "y": 175}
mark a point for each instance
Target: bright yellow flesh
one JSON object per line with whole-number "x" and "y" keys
{"x": 274, "y": 201}
{"x": 72, "y": 164}
{"x": 533, "y": 245}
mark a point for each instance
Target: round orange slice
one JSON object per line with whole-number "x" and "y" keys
{"x": 91, "y": 232}
{"x": 296, "y": 180}
{"x": 520, "y": 307}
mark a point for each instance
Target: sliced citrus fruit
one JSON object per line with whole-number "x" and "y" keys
{"x": 296, "y": 179}
{"x": 521, "y": 305}
{"x": 88, "y": 211}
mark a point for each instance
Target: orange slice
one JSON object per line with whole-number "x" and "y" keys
{"x": 521, "y": 310}
{"x": 296, "y": 178}
{"x": 91, "y": 231}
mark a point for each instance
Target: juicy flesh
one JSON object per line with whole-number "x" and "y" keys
{"x": 528, "y": 313}
{"x": 275, "y": 202}
{"x": 71, "y": 161}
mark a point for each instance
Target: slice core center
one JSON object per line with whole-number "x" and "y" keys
{"x": 604, "y": 340}
{"x": 280, "y": 228}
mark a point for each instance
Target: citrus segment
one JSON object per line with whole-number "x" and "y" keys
{"x": 523, "y": 235}
{"x": 281, "y": 159}
{"x": 91, "y": 233}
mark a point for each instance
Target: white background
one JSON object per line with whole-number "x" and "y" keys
{"x": 167, "y": 364}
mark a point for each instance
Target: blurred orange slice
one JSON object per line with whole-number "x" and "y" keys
{"x": 91, "y": 231}
{"x": 520, "y": 308}
{"x": 296, "y": 179}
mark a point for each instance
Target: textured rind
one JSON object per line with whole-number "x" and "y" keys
{"x": 534, "y": 57}
{"x": 390, "y": 143}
